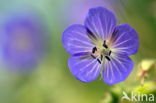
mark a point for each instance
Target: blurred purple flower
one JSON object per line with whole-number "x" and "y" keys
{"x": 24, "y": 41}
{"x": 99, "y": 46}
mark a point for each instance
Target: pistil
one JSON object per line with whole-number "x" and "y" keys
{"x": 101, "y": 51}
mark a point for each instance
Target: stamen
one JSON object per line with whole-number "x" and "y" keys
{"x": 94, "y": 49}
{"x": 109, "y": 52}
{"x": 99, "y": 61}
{"x": 93, "y": 56}
{"x": 107, "y": 57}
{"x": 101, "y": 57}
{"x": 104, "y": 44}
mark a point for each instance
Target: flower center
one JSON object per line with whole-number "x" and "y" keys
{"x": 101, "y": 52}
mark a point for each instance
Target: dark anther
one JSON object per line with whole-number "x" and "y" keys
{"x": 109, "y": 53}
{"x": 94, "y": 49}
{"x": 104, "y": 44}
{"x": 99, "y": 61}
{"x": 107, "y": 57}
{"x": 101, "y": 57}
{"x": 93, "y": 56}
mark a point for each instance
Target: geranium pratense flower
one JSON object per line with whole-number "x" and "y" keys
{"x": 100, "y": 46}
{"x": 24, "y": 41}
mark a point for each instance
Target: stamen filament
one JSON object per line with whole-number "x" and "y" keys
{"x": 99, "y": 61}
{"x": 104, "y": 44}
{"x": 94, "y": 49}
{"x": 107, "y": 57}
{"x": 110, "y": 52}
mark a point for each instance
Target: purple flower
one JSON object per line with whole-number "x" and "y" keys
{"x": 100, "y": 46}
{"x": 24, "y": 41}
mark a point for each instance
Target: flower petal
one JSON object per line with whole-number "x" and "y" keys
{"x": 117, "y": 70}
{"x": 101, "y": 22}
{"x": 84, "y": 69}
{"x": 125, "y": 40}
{"x": 76, "y": 40}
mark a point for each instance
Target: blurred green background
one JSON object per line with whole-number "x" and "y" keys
{"x": 51, "y": 81}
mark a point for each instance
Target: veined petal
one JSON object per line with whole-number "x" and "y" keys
{"x": 84, "y": 69}
{"x": 125, "y": 40}
{"x": 76, "y": 40}
{"x": 101, "y": 22}
{"x": 117, "y": 70}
